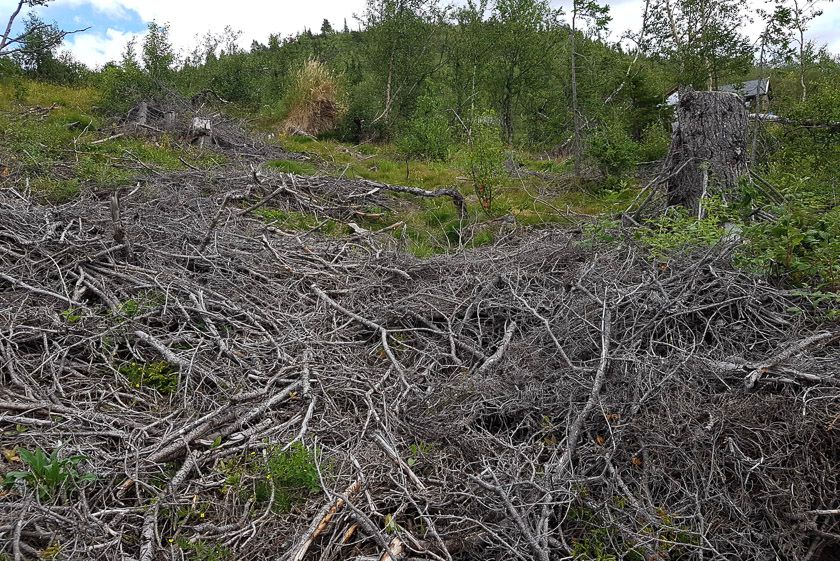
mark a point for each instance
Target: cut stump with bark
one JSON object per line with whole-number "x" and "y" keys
{"x": 708, "y": 153}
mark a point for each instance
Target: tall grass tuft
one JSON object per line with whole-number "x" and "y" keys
{"x": 313, "y": 101}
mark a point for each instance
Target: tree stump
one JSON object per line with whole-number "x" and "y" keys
{"x": 708, "y": 153}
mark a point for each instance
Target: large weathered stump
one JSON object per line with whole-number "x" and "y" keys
{"x": 708, "y": 149}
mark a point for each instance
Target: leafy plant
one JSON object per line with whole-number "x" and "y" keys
{"x": 71, "y": 315}
{"x": 802, "y": 247}
{"x": 291, "y": 476}
{"x": 204, "y": 551}
{"x": 426, "y": 135}
{"x": 48, "y": 474}
{"x": 678, "y": 230}
{"x": 613, "y": 150}
{"x": 160, "y": 375}
{"x": 485, "y": 159}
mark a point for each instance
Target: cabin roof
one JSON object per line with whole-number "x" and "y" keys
{"x": 750, "y": 88}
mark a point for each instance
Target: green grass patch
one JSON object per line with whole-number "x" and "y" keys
{"x": 47, "y": 130}
{"x": 55, "y": 190}
{"x": 294, "y": 221}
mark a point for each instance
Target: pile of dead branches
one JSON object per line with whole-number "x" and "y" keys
{"x": 198, "y": 121}
{"x": 541, "y": 399}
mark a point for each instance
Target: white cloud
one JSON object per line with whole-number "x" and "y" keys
{"x": 259, "y": 18}
{"x": 95, "y": 49}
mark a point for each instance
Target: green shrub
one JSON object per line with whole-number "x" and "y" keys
{"x": 655, "y": 143}
{"x": 485, "y": 158}
{"x": 48, "y": 474}
{"x": 677, "y": 230}
{"x": 122, "y": 88}
{"x": 613, "y": 151}
{"x": 800, "y": 247}
{"x": 292, "y": 476}
{"x": 426, "y": 135}
{"x": 160, "y": 375}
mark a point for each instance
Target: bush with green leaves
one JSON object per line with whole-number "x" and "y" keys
{"x": 677, "y": 230}
{"x": 122, "y": 87}
{"x": 800, "y": 248}
{"x": 655, "y": 143}
{"x": 48, "y": 474}
{"x": 285, "y": 477}
{"x": 160, "y": 375}
{"x": 427, "y": 134}
{"x": 613, "y": 151}
{"x": 485, "y": 158}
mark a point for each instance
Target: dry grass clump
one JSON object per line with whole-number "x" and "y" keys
{"x": 313, "y": 100}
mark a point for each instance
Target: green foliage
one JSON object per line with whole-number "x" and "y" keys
{"x": 485, "y": 159}
{"x": 800, "y": 247}
{"x": 201, "y": 550}
{"x": 157, "y": 53}
{"x": 71, "y": 315}
{"x": 290, "y": 476}
{"x": 655, "y": 143}
{"x": 426, "y": 134}
{"x": 160, "y": 375}
{"x": 48, "y": 474}
{"x": 704, "y": 39}
{"x": 39, "y": 57}
{"x": 676, "y": 230}
{"x": 122, "y": 88}
{"x": 601, "y": 232}
{"x": 613, "y": 151}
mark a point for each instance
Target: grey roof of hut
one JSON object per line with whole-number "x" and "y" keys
{"x": 748, "y": 89}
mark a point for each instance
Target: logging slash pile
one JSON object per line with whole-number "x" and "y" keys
{"x": 180, "y": 381}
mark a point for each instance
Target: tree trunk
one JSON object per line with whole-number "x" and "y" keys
{"x": 708, "y": 149}
{"x": 575, "y": 114}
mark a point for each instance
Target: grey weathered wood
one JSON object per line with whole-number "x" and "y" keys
{"x": 708, "y": 149}
{"x": 142, "y": 113}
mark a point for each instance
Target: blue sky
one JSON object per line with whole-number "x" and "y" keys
{"x": 113, "y": 22}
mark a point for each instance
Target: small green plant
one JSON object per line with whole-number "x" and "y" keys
{"x": 419, "y": 451}
{"x": 485, "y": 159}
{"x": 290, "y": 475}
{"x": 614, "y": 151}
{"x": 130, "y": 308}
{"x": 71, "y": 315}
{"x": 48, "y": 474}
{"x": 204, "y": 551}
{"x": 426, "y": 135}
{"x": 600, "y": 232}
{"x": 160, "y": 375}
{"x": 678, "y": 230}
{"x": 801, "y": 247}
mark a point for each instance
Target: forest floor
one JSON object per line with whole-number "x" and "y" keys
{"x": 271, "y": 350}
